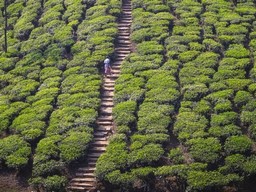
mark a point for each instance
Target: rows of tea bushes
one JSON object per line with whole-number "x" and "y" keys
{"x": 197, "y": 65}
{"x": 49, "y": 84}
{"x": 215, "y": 86}
{"x": 146, "y": 94}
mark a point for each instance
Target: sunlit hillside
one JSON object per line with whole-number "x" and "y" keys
{"x": 184, "y": 104}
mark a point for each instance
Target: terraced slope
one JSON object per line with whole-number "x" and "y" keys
{"x": 85, "y": 179}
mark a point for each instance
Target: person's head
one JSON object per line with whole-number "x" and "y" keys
{"x": 107, "y": 57}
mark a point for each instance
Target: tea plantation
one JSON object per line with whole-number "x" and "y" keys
{"x": 184, "y": 104}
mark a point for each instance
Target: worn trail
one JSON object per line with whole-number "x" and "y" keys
{"x": 85, "y": 179}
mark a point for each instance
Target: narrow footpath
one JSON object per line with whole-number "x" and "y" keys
{"x": 85, "y": 179}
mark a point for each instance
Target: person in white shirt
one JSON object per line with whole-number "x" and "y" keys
{"x": 107, "y": 66}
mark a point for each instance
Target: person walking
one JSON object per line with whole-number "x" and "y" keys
{"x": 107, "y": 66}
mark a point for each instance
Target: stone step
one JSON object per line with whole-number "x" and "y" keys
{"x": 107, "y": 103}
{"x": 123, "y": 49}
{"x": 109, "y": 81}
{"x": 106, "y": 118}
{"x": 108, "y": 94}
{"x": 123, "y": 38}
{"x": 98, "y": 149}
{"x": 87, "y": 169}
{"x": 115, "y": 76}
{"x": 115, "y": 71}
{"x": 124, "y": 44}
{"x": 102, "y": 128}
{"x": 85, "y": 175}
{"x": 116, "y": 64}
{"x": 92, "y": 159}
{"x": 94, "y": 155}
{"x": 120, "y": 58}
{"x": 85, "y": 184}
{"x": 107, "y": 99}
{"x": 84, "y": 179}
{"x": 108, "y": 88}
{"x": 92, "y": 163}
{"x": 127, "y": 22}
{"x": 108, "y": 84}
{"x": 124, "y": 41}
{"x": 121, "y": 55}
{"x": 124, "y": 33}
{"x": 100, "y": 134}
{"x": 96, "y": 139}
{"x": 127, "y": 52}
{"x": 124, "y": 28}
{"x": 127, "y": 12}
{"x": 76, "y": 188}
{"x": 117, "y": 67}
{"x": 126, "y": 6}
{"x": 103, "y": 123}
{"x": 127, "y": 15}
{"x": 121, "y": 41}
{"x": 106, "y": 110}
{"x": 127, "y": 9}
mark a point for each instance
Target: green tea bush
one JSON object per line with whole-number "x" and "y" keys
{"x": 205, "y": 149}
{"x": 149, "y": 47}
{"x": 147, "y": 154}
{"x": 234, "y": 162}
{"x": 115, "y": 158}
{"x": 237, "y": 51}
{"x": 188, "y": 124}
{"x": 194, "y": 92}
{"x": 128, "y": 87}
{"x": 149, "y": 122}
{"x": 223, "y": 132}
{"x": 7, "y": 63}
{"x": 224, "y": 118}
{"x": 232, "y": 29}
{"x": 223, "y": 74}
{"x": 49, "y": 72}
{"x": 212, "y": 45}
{"x": 238, "y": 84}
{"x": 124, "y": 113}
{"x": 188, "y": 56}
{"x": 220, "y": 95}
{"x": 249, "y": 165}
{"x": 152, "y": 138}
{"x": 14, "y": 151}
{"x": 74, "y": 145}
{"x": 199, "y": 180}
{"x": 242, "y": 98}
{"x": 54, "y": 13}
{"x": 15, "y": 9}
{"x": 81, "y": 100}
{"x": 80, "y": 83}
{"x": 21, "y": 90}
{"x": 74, "y": 117}
{"x": 64, "y": 36}
{"x": 176, "y": 156}
{"x": 223, "y": 106}
{"x": 238, "y": 144}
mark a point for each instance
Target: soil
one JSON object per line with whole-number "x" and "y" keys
{"x": 9, "y": 182}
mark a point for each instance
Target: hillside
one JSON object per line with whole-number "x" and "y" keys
{"x": 183, "y": 104}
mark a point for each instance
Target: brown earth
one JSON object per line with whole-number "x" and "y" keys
{"x": 9, "y": 182}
